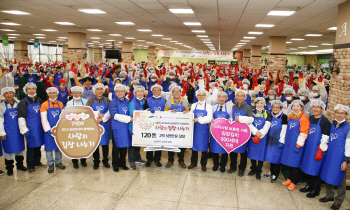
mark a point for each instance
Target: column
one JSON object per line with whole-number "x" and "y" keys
{"x": 152, "y": 56}
{"x": 340, "y": 83}
{"x": 97, "y": 55}
{"x": 313, "y": 61}
{"x": 246, "y": 57}
{"x": 166, "y": 61}
{"x": 65, "y": 53}
{"x": 277, "y": 55}
{"x": 21, "y": 51}
{"x": 77, "y": 49}
{"x": 255, "y": 57}
{"x": 127, "y": 53}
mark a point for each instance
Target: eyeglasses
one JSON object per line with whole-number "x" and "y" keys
{"x": 120, "y": 91}
{"x": 340, "y": 113}
{"x": 201, "y": 95}
{"x": 176, "y": 91}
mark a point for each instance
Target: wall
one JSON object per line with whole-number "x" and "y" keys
{"x": 292, "y": 59}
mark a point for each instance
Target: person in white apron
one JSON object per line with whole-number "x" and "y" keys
{"x": 12, "y": 140}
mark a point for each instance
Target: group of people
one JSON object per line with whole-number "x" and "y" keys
{"x": 286, "y": 118}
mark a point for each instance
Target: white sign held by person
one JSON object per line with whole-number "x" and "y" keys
{"x": 162, "y": 130}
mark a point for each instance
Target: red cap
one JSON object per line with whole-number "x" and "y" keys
{"x": 62, "y": 80}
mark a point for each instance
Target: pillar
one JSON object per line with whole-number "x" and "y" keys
{"x": 65, "y": 53}
{"x": 312, "y": 60}
{"x": 277, "y": 55}
{"x": 77, "y": 49}
{"x": 255, "y": 57}
{"x": 127, "y": 53}
{"x": 246, "y": 57}
{"x": 166, "y": 61}
{"x": 152, "y": 56}
{"x": 97, "y": 55}
{"x": 21, "y": 51}
{"x": 340, "y": 83}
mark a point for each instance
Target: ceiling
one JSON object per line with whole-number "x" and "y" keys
{"x": 226, "y": 22}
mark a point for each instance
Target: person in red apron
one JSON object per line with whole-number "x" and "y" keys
{"x": 276, "y": 134}
{"x": 29, "y": 122}
{"x": 11, "y": 138}
{"x": 336, "y": 160}
{"x": 257, "y": 143}
{"x": 203, "y": 114}
{"x": 100, "y": 106}
{"x": 241, "y": 112}
{"x": 296, "y": 135}
{"x": 50, "y": 112}
{"x": 315, "y": 146}
{"x": 220, "y": 111}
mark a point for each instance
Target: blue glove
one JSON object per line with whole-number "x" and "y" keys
{"x": 280, "y": 145}
{"x": 49, "y": 132}
{"x": 296, "y": 149}
{"x": 27, "y": 134}
{"x": 131, "y": 133}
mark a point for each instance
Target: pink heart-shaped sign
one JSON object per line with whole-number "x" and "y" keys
{"x": 230, "y": 135}
{"x": 70, "y": 116}
{"x": 77, "y": 117}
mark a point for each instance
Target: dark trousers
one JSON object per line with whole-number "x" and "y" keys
{"x": 275, "y": 169}
{"x": 204, "y": 158}
{"x": 96, "y": 154}
{"x": 223, "y": 161}
{"x": 180, "y": 155}
{"x": 294, "y": 174}
{"x": 83, "y": 160}
{"x": 9, "y": 163}
{"x": 243, "y": 162}
{"x": 314, "y": 182}
{"x": 118, "y": 155}
{"x": 156, "y": 157}
{"x": 134, "y": 154}
{"x": 256, "y": 168}
{"x": 33, "y": 157}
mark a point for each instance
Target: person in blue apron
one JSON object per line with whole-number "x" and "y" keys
{"x": 58, "y": 76}
{"x": 177, "y": 105}
{"x": 153, "y": 81}
{"x": 169, "y": 80}
{"x": 203, "y": 114}
{"x": 29, "y": 122}
{"x": 155, "y": 103}
{"x": 315, "y": 146}
{"x": 100, "y": 106}
{"x": 336, "y": 160}
{"x": 220, "y": 111}
{"x": 241, "y": 112}
{"x": 293, "y": 147}
{"x": 258, "y": 141}
{"x": 271, "y": 97}
{"x": 31, "y": 76}
{"x": 121, "y": 138}
{"x": 88, "y": 93}
{"x": 12, "y": 139}
{"x": 125, "y": 78}
{"x": 63, "y": 92}
{"x": 230, "y": 92}
{"x": 50, "y": 112}
{"x": 77, "y": 91}
{"x": 260, "y": 91}
{"x": 245, "y": 87}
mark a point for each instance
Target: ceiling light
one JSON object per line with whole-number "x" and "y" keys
{"x": 125, "y": 23}
{"x": 95, "y": 38}
{"x": 192, "y": 23}
{"x": 10, "y": 24}
{"x": 39, "y": 34}
{"x": 178, "y": 43}
{"x": 149, "y": 42}
{"x": 156, "y": 44}
{"x": 173, "y": 41}
{"x": 62, "y": 37}
{"x": 332, "y": 28}
{"x": 6, "y": 30}
{"x": 241, "y": 43}
{"x": 288, "y": 42}
{"x": 313, "y": 35}
{"x": 15, "y": 12}
{"x": 144, "y": 30}
{"x": 14, "y": 34}
{"x": 205, "y": 39}
{"x": 61, "y": 40}
{"x": 302, "y": 47}
{"x": 141, "y": 40}
{"x": 96, "y": 41}
{"x": 114, "y": 34}
{"x": 202, "y": 36}
{"x": 129, "y": 38}
{"x": 52, "y": 41}
{"x": 293, "y": 49}
{"x": 255, "y": 32}
{"x": 12, "y": 37}
{"x": 94, "y": 29}
{"x": 281, "y": 13}
{"x": 65, "y": 23}
{"x": 312, "y": 46}
{"x": 48, "y": 30}
{"x": 167, "y": 38}
{"x": 110, "y": 40}
{"x": 249, "y": 37}
{"x": 264, "y": 25}
{"x": 297, "y": 39}
{"x": 326, "y": 44}
{"x": 92, "y": 11}
{"x": 157, "y": 35}
{"x": 207, "y": 42}
{"x": 198, "y": 31}
{"x": 40, "y": 37}
{"x": 181, "y": 11}
{"x": 244, "y": 40}
{"x": 120, "y": 42}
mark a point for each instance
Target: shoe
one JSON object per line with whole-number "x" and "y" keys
{"x": 96, "y": 165}
{"x": 140, "y": 161}
{"x": 240, "y": 173}
{"x": 258, "y": 176}
{"x": 133, "y": 165}
{"x": 42, "y": 166}
{"x": 32, "y": 171}
{"x": 148, "y": 164}
{"x": 313, "y": 194}
{"x": 222, "y": 170}
{"x": 192, "y": 166}
{"x": 287, "y": 182}
{"x": 204, "y": 168}
{"x": 84, "y": 164}
{"x": 116, "y": 169}
{"x": 251, "y": 172}
{"x": 75, "y": 165}
{"x": 335, "y": 206}
{"x": 60, "y": 166}
{"x": 183, "y": 165}
{"x": 158, "y": 164}
{"x": 169, "y": 164}
{"x": 125, "y": 168}
{"x": 268, "y": 175}
{"x": 2, "y": 173}
{"x": 51, "y": 169}
{"x": 273, "y": 179}
{"x": 22, "y": 168}
{"x": 305, "y": 189}
{"x": 292, "y": 186}
{"x": 106, "y": 164}
{"x": 215, "y": 167}
{"x": 232, "y": 170}
{"x": 9, "y": 173}
{"x": 325, "y": 199}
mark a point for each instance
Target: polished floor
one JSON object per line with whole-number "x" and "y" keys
{"x": 149, "y": 188}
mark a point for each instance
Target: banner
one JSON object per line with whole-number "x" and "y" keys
{"x": 5, "y": 40}
{"x": 162, "y": 130}
{"x": 195, "y": 54}
{"x": 36, "y": 43}
{"x": 77, "y": 133}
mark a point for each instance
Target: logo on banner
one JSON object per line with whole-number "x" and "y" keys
{"x": 55, "y": 113}
{"x": 334, "y": 136}
{"x": 13, "y": 114}
{"x": 36, "y": 108}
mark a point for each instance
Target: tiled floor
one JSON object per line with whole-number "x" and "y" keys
{"x": 148, "y": 188}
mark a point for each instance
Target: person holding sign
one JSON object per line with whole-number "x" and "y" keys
{"x": 203, "y": 114}
{"x": 297, "y": 131}
{"x": 257, "y": 143}
{"x": 241, "y": 112}
{"x": 12, "y": 140}
{"x": 118, "y": 108}
{"x": 100, "y": 106}
{"x": 177, "y": 105}
{"x": 220, "y": 110}
{"x": 155, "y": 103}
{"x": 50, "y": 114}
{"x": 77, "y": 91}
{"x": 29, "y": 122}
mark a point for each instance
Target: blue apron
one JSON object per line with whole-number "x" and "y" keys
{"x": 335, "y": 157}
{"x": 14, "y": 139}
{"x": 289, "y": 157}
{"x": 88, "y": 93}
{"x": 237, "y": 113}
{"x": 257, "y": 151}
{"x": 150, "y": 85}
{"x": 157, "y": 104}
{"x": 31, "y": 79}
{"x": 35, "y": 128}
{"x": 102, "y": 108}
{"x": 268, "y": 107}
{"x": 121, "y": 134}
{"x": 248, "y": 99}
{"x": 230, "y": 95}
{"x": 215, "y": 147}
{"x": 273, "y": 153}
{"x": 58, "y": 76}
{"x": 309, "y": 165}
{"x": 16, "y": 77}
{"x": 53, "y": 115}
{"x": 63, "y": 96}
{"x": 177, "y": 107}
{"x": 200, "y": 131}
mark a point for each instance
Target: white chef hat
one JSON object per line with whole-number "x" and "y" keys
{"x": 52, "y": 89}
{"x": 120, "y": 86}
{"x": 97, "y": 86}
{"x": 77, "y": 88}
{"x": 27, "y": 85}
{"x": 318, "y": 102}
{"x": 260, "y": 99}
{"x": 156, "y": 86}
{"x": 135, "y": 81}
{"x": 154, "y": 75}
{"x": 343, "y": 107}
{"x": 201, "y": 91}
{"x": 277, "y": 102}
{"x": 7, "y": 89}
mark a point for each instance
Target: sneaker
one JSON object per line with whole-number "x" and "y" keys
{"x": 292, "y": 186}
{"x": 273, "y": 179}
{"x": 1, "y": 173}
{"x": 148, "y": 164}
{"x": 51, "y": 169}
{"x": 60, "y": 166}
{"x": 140, "y": 161}
{"x": 158, "y": 164}
{"x": 268, "y": 175}
{"x": 133, "y": 165}
{"x": 287, "y": 182}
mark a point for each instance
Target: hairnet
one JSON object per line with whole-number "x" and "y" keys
{"x": 139, "y": 87}
{"x": 343, "y": 107}
{"x": 201, "y": 91}
{"x": 318, "y": 102}
{"x": 120, "y": 86}
{"x": 52, "y": 89}
{"x": 27, "y": 85}
{"x": 277, "y": 102}
{"x": 97, "y": 86}
{"x": 176, "y": 87}
{"x": 156, "y": 86}
{"x": 304, "y": 92}
{"x": 77, "y": 88}
{"x": 222, "y": 93}
{"x": 289, "y": 90}
{"x": 260, "y": 99}
{"x": 297, "y": 102}
{"x": 246, "y": 81}
{"x": 7, "y": 89}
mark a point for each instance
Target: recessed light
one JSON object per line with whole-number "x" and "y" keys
{"x": 92, "y": 11}
{"x": 202, "y": 36}
{"x": 96, "y": 41}
{"x": 7, "y": 30}
{"x": 167, "y": 38}
{"x": 313, "y": 35}
{"x": 312, "y": 46}
{"x": 281, "y": 13}
{"x": 15, "y": 12}
{"x": 52, "y": 41}
{"x": 48, "y": 30}
{"x": 14, "y": 34}
{"x": 156, "y": 44}
{"x": 125, "y": 23}
{"x": 12, "y": 37}
{"x": 326, "y": 44}
{"x": 288, "y": 42}
{"x": 198, "y": 31}
{"x": 302, "y": 47}
{"x": 157, "y": 35}
{"x": 62, "y": 37}
{"x": 129, "y": 38}
{"x": 61, "y": 40}
{"x": 65, "y": 23}
{"x": 110, "y": 40}
{"x": 192, "y": 23}
{"x": 141, "y": 40}
{"x": 207, "y": 42}
{"x": 149, "y": 42}
{"x": 249, "y": 37}
{"x": 39, "y": 34}
{"x": 293, "y": 49}
{"x": 205, "y": 39}
{"x": 178, "y": 43}
{"x": 40, "y": 37}
{"x": 114, "y": 34}
{"x": 144, "y": 30}
{"x": 264, "y": 25}
{"x": 255, "y": 32}
{"x": 244, "y": 40}
{"x": 94, "y": 29}
{"x": 332, "y": 28}
{"x": 173, "y": 41}
{"x": 297, "y": 39}
{"x": 241, "y": 43}
{"x": 10, "y": 24}
{"x": 95, "y": 38}
{"x": 181, "y": 11}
